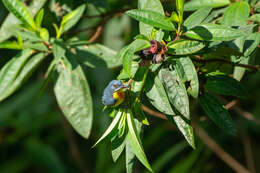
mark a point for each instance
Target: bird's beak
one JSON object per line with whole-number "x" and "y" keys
{"x": 122, "y": 87}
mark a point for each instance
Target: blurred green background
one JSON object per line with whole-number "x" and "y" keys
{"x": 35, "y": 137}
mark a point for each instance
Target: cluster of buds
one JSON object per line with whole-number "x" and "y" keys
{"x": 155, "y": 53}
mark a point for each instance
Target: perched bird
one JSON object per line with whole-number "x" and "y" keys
{"x": 113, "y": 94}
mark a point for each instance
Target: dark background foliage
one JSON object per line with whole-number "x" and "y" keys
{"x": 35, "y": 136}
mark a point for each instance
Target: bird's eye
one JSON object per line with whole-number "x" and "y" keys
{"x": 114, "y": 85}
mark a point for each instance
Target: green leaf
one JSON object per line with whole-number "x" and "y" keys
{"x": 152, "y": 18}
{"x": 135, "y": 141}
{"x": 124, "y": 76}
{"x": 217, "y": 113}
{"x": 30, "y": 36}
{"x": 197, "y": 4}
{"x": 142, "y": 37}
{"x": 187, "y": 72}
{"x": 118, "y": 141}
{"x": 10, "y": 45}
{"x": 44, "y": 34}
{"x": 214, "y": 32}
{"x": 30, "y": 66}
{"x": 127, "y": 60}
{"x": 255, "y": 18}
{"x": 97, "y": 56}
{"x": 21, "y": 12}
{"x": 70, "y": 19}
{"x": 184, "y": 47}
{"x": 10, "y": 25}
{"x": 113, "y": 126}
{"x": 38, "y": 19}
{"x": 156, "y": 94}
{"x": 129, "y": 151}
{"x": 117, "y": 147}
{"x": 153, "y": 5}
{"x": 180, "y": 7}
{"x": 176, "y": 91}
{"x": 225, "y": 85}
{"x": 197, "y": 17}
{"x": 237, "y": 14}
{"x": 11, "y": 70}
{"x": 36, "y": 46}
{"x": 186, "y": 129}
{"x": 73, "y": 94}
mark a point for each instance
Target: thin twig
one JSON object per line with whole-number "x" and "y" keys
{"x": 248, "y": 151}
{"x": 220, "y": 152}
{"x": 96, "y": 34}
{"x": 75, "y": 153}
{"x": 151, "y": 112}
{"x": 231, "y": 104}
{"x": 201, "y": 59}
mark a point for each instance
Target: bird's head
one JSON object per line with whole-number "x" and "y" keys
{"x": 113, "y": 93}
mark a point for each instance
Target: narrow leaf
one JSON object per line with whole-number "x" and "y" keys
{"x": 184, "y": 47}
{"x": 21, "y": 12}
{"x": 130, "y": 156}
{"x": 38, "y": 19}
{"x": 197, "y": 4}
{"x": 10, "y": 45}
{"x": 111, "y": 127}
{"x": 127, "y": 60}
{"x": 23, "y": 75}
{"x": 10, "y": 25}
{"x": 152, "y": 18}
{"x": 186, "y": 129}
{"x": 217, "y": 113}
{"x": 135, "y": 142}
{"x": 10, "y": 71}
{"x": 214, "y": 32}
{"x": 176, "y": 91}
{"x": 197, "y": 17}
{"x": 70, "y": 19}
{"x": 187, "y": 72}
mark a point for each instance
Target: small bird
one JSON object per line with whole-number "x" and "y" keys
{"x": 113, "y": 94}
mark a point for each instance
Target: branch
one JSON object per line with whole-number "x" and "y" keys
{"x": 203, "y": 60}
{"x": 220, "y": 152}
{"x": 96, "y": 34}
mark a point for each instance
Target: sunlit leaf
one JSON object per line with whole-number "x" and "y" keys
{"x": 237, "y": 14}
{"x": 21, "y": 12}
{"x": 176, "y": 91}
{"x": 214, "y": 32}
{"x": 11, "y": 70}
{"x": 184, "y": 47}
{"x": 135, "y": 141}
{"x": 24, "y": 73}
{"x": 187, "y": 72}
{"x": 152, "y": 18}
{"x": 197, "y": 17}
{"x": 197, "y": 4}
{"x": 153, "y": 5}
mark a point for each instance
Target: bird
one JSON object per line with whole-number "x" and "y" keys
{"x": 113, "y": 94}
